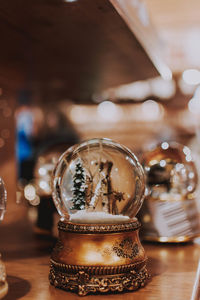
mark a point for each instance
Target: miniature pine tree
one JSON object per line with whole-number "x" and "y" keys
{"x": 79, "y": 188}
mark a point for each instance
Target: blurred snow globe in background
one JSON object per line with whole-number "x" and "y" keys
{"x": 3, "y": 199}
{"x": 43, "y": 172}
{"x": 98, "y": 181}
{"x": 170, "y": 171}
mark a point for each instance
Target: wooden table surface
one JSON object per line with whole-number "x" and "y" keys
{"x": 172, "y": 267}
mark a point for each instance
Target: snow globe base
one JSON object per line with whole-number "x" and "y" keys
{"x": 169, "y": 220}
{"x": 90, "y": 258}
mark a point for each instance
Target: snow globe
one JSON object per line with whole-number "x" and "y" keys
{"x": 43, "y": 170}
{"x": 98, "y": 188}
{"x": 3, "y": 282}
{"x": 169, "y": 213}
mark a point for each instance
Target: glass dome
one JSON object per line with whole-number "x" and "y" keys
{"x": 98, "y": 181}
{"x": 3, "y": 199}
{"x": 170, "y": 171}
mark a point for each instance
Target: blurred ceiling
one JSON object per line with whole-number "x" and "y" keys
{"x": 69, "y": 49}
{"x": 74, "y": 49}
{"x": 178, "y": 26}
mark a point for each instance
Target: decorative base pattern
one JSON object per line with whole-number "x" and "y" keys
{"x": 107, "y": 258}
{"x": 99, "y": 228}
{"x": 83, "y": 283}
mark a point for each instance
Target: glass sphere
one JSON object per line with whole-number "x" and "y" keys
{"x": 3, "y": 199}
{"x": 170, "y": 171}
{"x": 98, "y": 181}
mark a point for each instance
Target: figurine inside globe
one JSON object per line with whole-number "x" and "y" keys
{"x": 170, "y": 170}
{"x": 98, "y": 181}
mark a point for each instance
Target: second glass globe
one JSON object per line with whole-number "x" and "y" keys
{"x": 98, "y": 181}
{"x": 170, "y": 171}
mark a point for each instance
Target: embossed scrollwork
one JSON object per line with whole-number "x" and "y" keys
{"x": 83, "y": 283}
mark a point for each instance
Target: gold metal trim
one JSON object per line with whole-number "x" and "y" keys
{"x": 98, "y": 228}
{"x": 83, "y": 283}
{"x": 96, "y": 270}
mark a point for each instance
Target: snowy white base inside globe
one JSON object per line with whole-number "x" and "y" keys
{"x": 84, "y": 217}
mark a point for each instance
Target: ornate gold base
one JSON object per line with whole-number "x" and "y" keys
{"x": 98, "y": 258}
{"x": 83, "y": 283}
